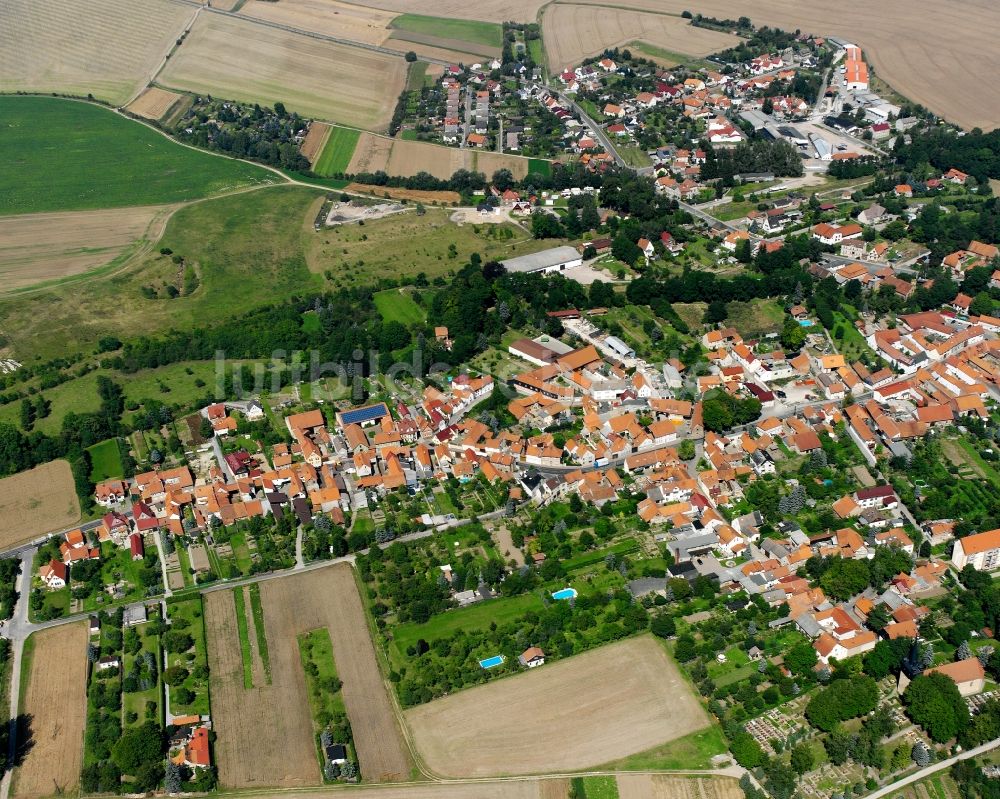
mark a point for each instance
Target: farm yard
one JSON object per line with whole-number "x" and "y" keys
{"x": 241, "y": 60}
{"x": 153, "y": 103}
{"x": 55, "y": 698}
{"x": 36, "y": 248}
{"x": 940, "y": 66}
{"x": 549, "y": 720}
{"x": 574, "y": 32}
{"x": 35, "y": 502}
{"x": 108, "y": 48}
{"x": 329, "y": 17}
{"x": 93, "y": 158}
{"x": 407, "y": 158}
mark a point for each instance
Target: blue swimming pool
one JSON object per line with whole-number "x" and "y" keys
{"x": 565, "y": 593}
{"x": 806, "y": 322}
{"x": 489, "y": 663}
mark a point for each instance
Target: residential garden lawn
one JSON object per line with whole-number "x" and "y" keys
{"x": 693, "y": 751}
{"x": 537, "y": 52}
{"x": 55, "y": 602}
{"x": 487, "y": 33}
{"x": 136, "y": 702}
{"x": 185, "y": 561}
{"x": 634, "y": 156}
{"x": 474, "y": 617}
{"x": 64, "y": 154}
{"x": 587, "y": 559}
{"x": 853, "y": 345}
{"x": 117, "y": 565}
{"x": 191, "y": 609}
{"x": 241, "y": 626}
{"x": 735, "y": 658}
{"x": 241, "y": 552}
{"x": 105, "y": 460}
{"x": 337, "y": 151}
{"x": 602, "y": 787}
{"x": 399, "y": 306}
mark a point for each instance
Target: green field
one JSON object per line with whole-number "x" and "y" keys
{"x": 337, "y": 152}
{"x": 540, "y": 166}
{"x": 105, "y": 460}
{"x": 397, "y": 306}
{"x": 62, "y": 155}
{"x": 257, "y": 610}
{"x": 487, "y": 33}
{"x": 241, "y": 626}
{"x": 601, "y": 787}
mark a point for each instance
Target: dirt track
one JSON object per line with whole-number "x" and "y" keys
{"x": 569, "y": 715}
{"x": 56, "y": 699}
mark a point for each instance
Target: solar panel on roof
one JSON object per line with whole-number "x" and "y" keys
{"x": 361, "y": 415}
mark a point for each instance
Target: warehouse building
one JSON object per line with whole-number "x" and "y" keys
{"x": 556, "y": 259}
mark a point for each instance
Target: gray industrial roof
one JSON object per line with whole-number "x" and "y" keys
{"x": 542, "y": 260}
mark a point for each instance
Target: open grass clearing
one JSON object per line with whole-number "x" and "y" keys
{"x": 105, "y": 460}
{"x": 55, "y": 699}
{"x": 108, "y": 48}
{"x": 236, "y": 58}
{"x": 36, "y": 502}
{"x": 550, "y": 719}
{"x": 91, "y": 158}
{"x": 397, "y": 305}
{"x": 337, "y": 152}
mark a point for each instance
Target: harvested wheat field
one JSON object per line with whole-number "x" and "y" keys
{"x": 35, "y": 248}
{"x": 276, "y": 717}
{"x": 329, "y": 17}
{"x": 407, "y": 158}
{"x": 36, "y": 502}
{"x": 244, "y": 60}
{"x": 572, "y": 33}
{"x": 662, "y": 786}
{"x": 153, "y": 103}
{"x": 552, "y": 719}
{"x": 315, "y": 140}
{"x": 414, "y": 195}
{"x": 485, "y": 10}
{"x": 56, "y": 700}
{"x": 934, "y": 54}
{"x": 108, "y": 48}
